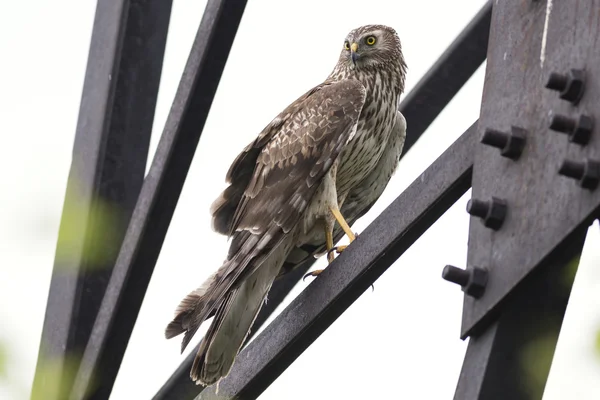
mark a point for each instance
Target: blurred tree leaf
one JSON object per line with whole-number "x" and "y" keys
{"x": 53, "y": 374}
{"x": 597, "y": 344}
{"x": 536, "y": 359}
{"x": 3, "y": 360}
{"x": 570, "y": 271}
{"x": 98, "y": 223}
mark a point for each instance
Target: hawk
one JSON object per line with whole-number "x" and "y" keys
{"x": 326, "y": 158}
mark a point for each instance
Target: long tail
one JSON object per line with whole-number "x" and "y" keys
{"x": 232, "y": 324}
{"x": 233, "y": 319}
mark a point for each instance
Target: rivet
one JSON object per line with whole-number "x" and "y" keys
{"x": 571, "y": 85}
{"x": 510, "y": 144}
{"x": 492, "y": 212}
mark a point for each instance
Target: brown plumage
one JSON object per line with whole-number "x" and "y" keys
{"x": 337, "y": 144}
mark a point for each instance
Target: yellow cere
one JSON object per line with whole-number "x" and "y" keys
{"x": 354, "y": 47}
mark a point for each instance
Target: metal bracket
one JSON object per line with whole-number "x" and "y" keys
{"x": 533, "y": 52}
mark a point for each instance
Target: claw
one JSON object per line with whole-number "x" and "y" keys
{"x": 330, "y": 256}
{"x": 337, "y": 249}
{"x": 314, "y": 273}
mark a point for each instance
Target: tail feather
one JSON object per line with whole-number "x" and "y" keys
{"x": 184, "y": 313}
{"x": 233, "y": 320}
{"x": 195, "y": 308}
{"x": 236, "y": 291}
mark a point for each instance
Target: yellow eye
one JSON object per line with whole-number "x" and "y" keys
{"x": 347, "y": 45}
{"x": 371, "y": 40}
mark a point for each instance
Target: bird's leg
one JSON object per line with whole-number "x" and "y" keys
{"x": 328, "y": 225}
{"x": 345, "y": 227}
{"x": 329, "y": 243}
{"x": 343, "y": 224}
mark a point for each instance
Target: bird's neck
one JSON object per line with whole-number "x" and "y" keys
{"x": 374, "y": 78}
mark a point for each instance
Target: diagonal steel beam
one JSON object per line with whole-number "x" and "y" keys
{"x": 158, "y": 198}
{"x": 326, "y": 298}
{"x": 420, "y": 107}
{"x": 109, "y": 159}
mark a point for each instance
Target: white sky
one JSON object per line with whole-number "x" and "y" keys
{"x": 400, "y": 341}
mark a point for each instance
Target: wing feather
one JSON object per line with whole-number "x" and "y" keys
{"x": 302, "y": 137}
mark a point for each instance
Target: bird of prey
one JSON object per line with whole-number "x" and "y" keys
{"x": 326, "y": 158}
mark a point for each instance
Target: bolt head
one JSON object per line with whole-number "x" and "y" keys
{"x": 478, "y": 278}
{"x": 516, "y": 143}
{"x": 591, "y": 175}
{"x": 496, "y": 214}
{"x": 575, "y": 86}
{"x": 583, "y": 131}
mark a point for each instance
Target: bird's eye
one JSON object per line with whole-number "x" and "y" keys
{"x": 347, "y": 45}
{"x": 370, "y": 40}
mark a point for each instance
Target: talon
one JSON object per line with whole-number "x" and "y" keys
{"x": 314, "y": 273}
{"x": 337, "y": 249}
{"x": 330, "y": 256}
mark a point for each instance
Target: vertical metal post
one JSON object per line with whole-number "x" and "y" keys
{"x": 511, "y": 358}
{"x": 109, "y": 158}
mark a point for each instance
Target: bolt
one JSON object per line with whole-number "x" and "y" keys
{"x": 492, "y": 212}
{"x": 587, "y": 172}
{"x": 557, "y": 82}
{"x": 510, "y": 144}
{"x": 570, "y": 86}
{"x": 456, "y": 275}
{"x": 472, "y": 280}
{"x": 579, "y": 131}
{"x": 478, "y": 208}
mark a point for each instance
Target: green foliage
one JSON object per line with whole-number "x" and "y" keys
{"x": 50, "y": 370}
{"x": 536, "y": 359}
{"x": 570, "y": 271}
{"x": 101, "y": 222}
{"x": 597, "y": 344}
{"x": 3, "y": 361}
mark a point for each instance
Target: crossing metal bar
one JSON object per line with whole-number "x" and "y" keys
{"x": 109, "y": 159}
{"x": 420, "y": 107}
{"x": 157, "y": 200}
{"x": 374, "y": 251}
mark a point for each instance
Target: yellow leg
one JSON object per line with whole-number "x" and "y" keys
{"x": 343, "y": 224}
{"x": 329, "y": 243}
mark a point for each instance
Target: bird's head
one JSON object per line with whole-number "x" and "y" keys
{"x": 371, "y": 45}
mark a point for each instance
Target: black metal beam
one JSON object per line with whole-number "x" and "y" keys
{"x": 420, "y": 108}
{"x": 158, "y": 198}
{"x": 374, "y": 251}
{"x": 107, "y": 171}
{"x": 511, "y": 359}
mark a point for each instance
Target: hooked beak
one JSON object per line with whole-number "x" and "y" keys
{"x": 354, "y": 55}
